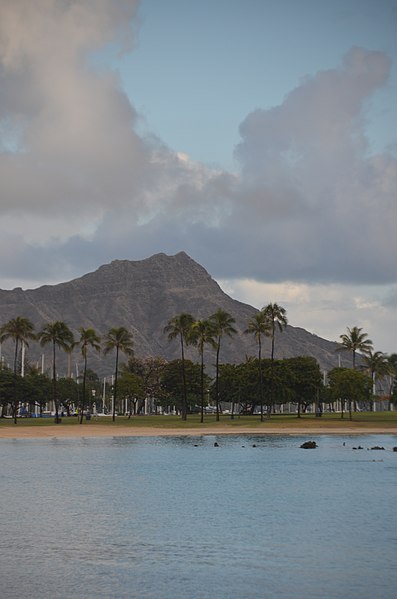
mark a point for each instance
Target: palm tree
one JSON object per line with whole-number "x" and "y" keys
{"x": 392, "y": 372}
{"x": 58, "y": 335}
{"x": 180, "y": 327}
{"x": 277, "y": 318}
{"x": 88, "y": 338}
{"x": 120, "y": 339}
{"x": 378, "y": 366}
{"x": 223, "y": 323}
{"x": 355, "y": 341}
{"x": 259, "y": 325}
{"x": 20, "y": 330}
{"x": 202, "y": 333}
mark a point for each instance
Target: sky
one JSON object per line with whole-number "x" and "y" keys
{"x": 258, "y": 136}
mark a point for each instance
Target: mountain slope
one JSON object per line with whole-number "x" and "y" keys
{"x": 142, "y": 296}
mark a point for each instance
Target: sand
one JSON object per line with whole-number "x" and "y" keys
{"x": 93, "y": 430}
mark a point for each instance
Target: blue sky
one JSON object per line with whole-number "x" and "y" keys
{"x": 257, "y": 136}
{"x": 219, "y": 60}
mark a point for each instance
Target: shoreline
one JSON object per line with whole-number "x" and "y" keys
{"x": 93, "y": 430}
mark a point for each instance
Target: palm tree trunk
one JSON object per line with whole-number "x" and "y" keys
{"x": 54, "y": 383}
{"x": 184, "y": 399}
{"x": 217, "y": 380}
{"x": 271, "y": 401}
{"x": 15, "y": 410}
{"x": 84, "y": 383}
{"x": 202, "y": 386}
{"x": 260, "y": 375}
{"x": 115, "y": 385}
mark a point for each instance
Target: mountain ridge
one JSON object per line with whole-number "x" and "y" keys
{"x": 143, "y": 295}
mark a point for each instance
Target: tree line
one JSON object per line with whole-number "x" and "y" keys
{"x": 59, "y": 336}
{"x": 257, "y": 382}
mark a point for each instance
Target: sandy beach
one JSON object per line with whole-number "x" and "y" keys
{"x": 93, "y": 430}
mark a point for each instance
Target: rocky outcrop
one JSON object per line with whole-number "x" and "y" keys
{"x": 309, "y": 445}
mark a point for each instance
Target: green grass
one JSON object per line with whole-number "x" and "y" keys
{"x": 361, "y": 420}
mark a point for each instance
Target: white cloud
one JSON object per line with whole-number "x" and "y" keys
{"x": 325, "y": 310}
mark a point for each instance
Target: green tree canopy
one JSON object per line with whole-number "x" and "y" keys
{"x": 173, "y": 385}
{"x": 305, "y": 379}
{"x": 349, "y": 385}
{"x": 20, "y": 330}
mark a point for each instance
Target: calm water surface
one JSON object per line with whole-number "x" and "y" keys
{"x": 160, "y": 518}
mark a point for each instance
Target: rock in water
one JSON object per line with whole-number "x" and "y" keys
{"x": 309, "y": 445}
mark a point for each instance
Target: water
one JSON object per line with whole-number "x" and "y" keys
{"x": 160, "y": 518}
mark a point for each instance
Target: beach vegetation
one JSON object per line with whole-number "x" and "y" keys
{"x": 349, "y": 386}
{"x": 277, "y": 318}
{"x": 202, "y": 333}
{"x": 355, "y": 340}
{"x": 88, "y": 339}
{"x": 223, "y": 325}
{"x": 179, "y": 327}
{"x": 58, "y": 335}
{"x": 120, "y": 340}
{"x": 258, "y": 326}
{"x": 20, "y": 330}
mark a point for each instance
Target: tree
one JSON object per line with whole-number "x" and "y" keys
{"x": 121, "y": 340}
{"x": 130, "y": 386}
{"x": 58, "y": 335}
{"x": 174, "y": 388}
{"x": 37, "y": 389}
{"x": 239, "y": 384}
{"x": 305, "y": 379}
{"x": 350, "y": 385}
{"x": 392, "y": 372}
{"x": 223, "y": 323}
{"x": 68, "y": 391}
{"x": 277, "y": 319}
{"x": 259, "y": 325}
{"x": 355, "y": 341}
{"x": 20, "y": 330}
{"x": 149, "y": 371}
{"x": 201, "y": 334}
{"x": 7, "y": 390}
{"x": 180, "y": 327}
{"x": 377, "y": 365}
{"x": 231, "y": 383}
{"x": 88, "y": 339}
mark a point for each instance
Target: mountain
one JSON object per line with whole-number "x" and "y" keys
{"x": 142, "y": 296}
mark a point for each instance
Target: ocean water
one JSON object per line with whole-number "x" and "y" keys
{"x": 177, "y": 518}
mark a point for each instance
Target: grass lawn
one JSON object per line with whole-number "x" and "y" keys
{"x": 361, "y": 421}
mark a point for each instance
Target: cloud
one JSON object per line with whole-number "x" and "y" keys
{"x": 323, "y": 204}
{"x": 326, "y": 309}
{"x": 80, "y": 186}
{"x": 73, "y": 146}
